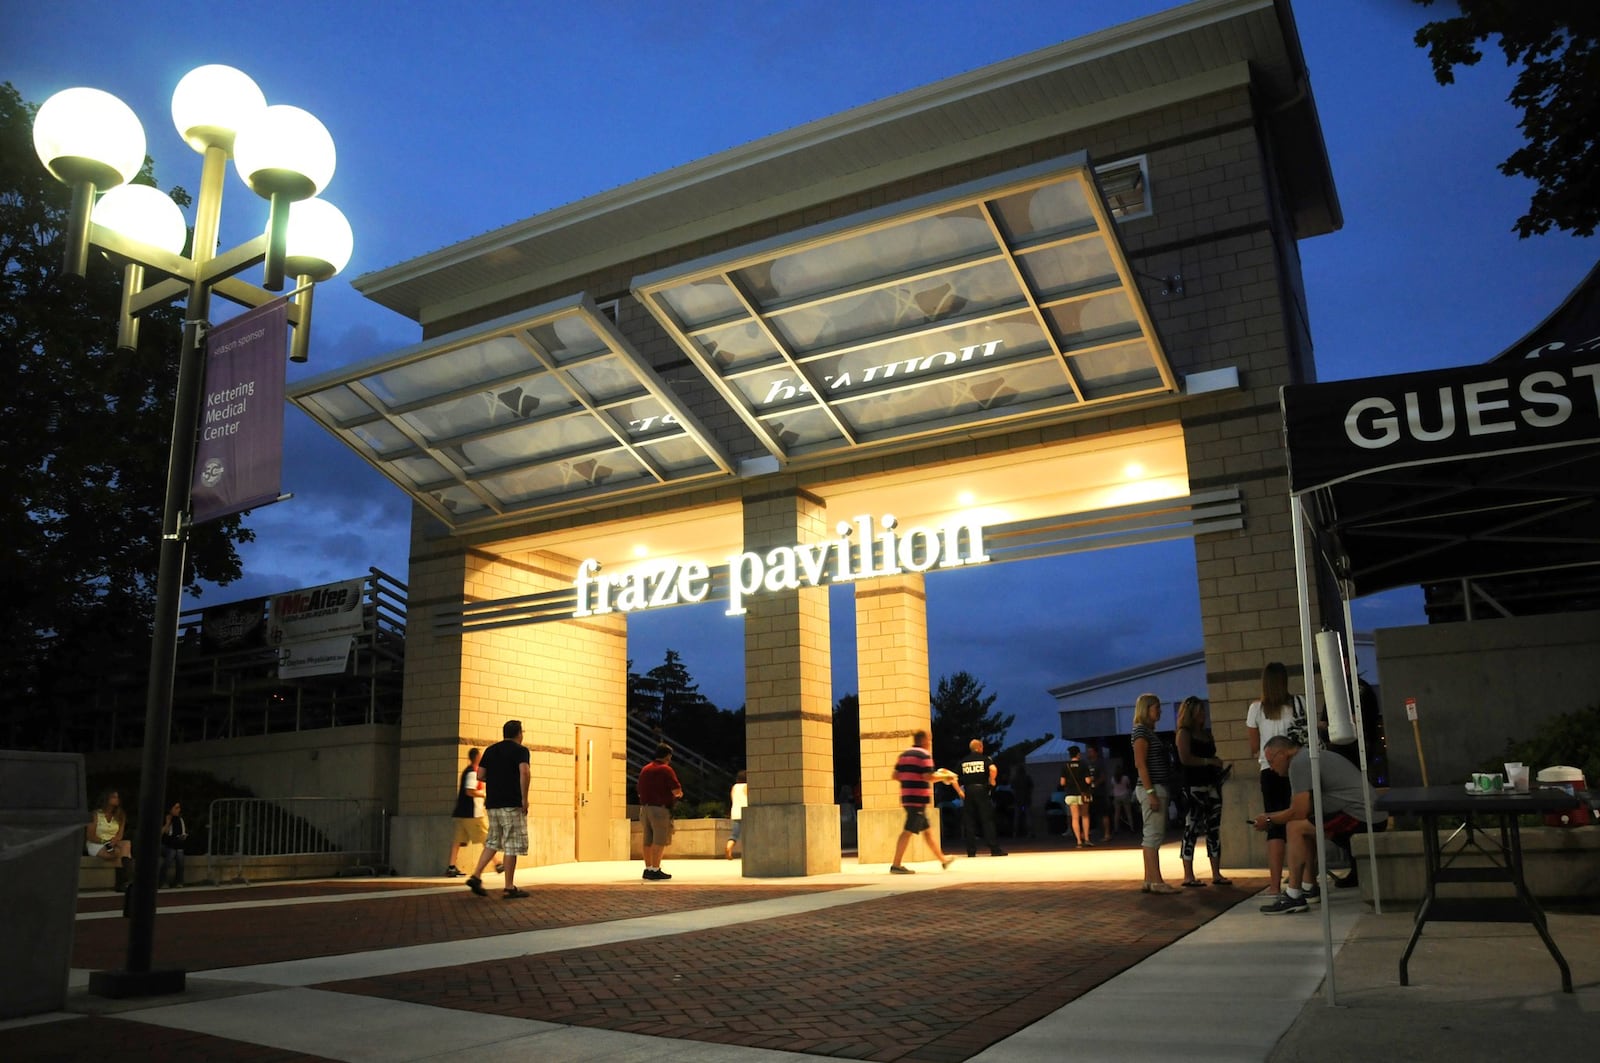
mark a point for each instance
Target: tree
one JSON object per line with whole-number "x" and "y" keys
{"x": 847, "y": 740}
{"x": 960, "y": 714}
{"x": 85, "y": 430}
{"x": 1557, "y": 44}
{"x": 669, "y": 700}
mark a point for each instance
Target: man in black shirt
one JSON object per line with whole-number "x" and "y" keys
{"x": 977, "y": 778}
{"x": 504, "y": 768}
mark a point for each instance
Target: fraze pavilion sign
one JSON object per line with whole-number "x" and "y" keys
{"x": 885, "y": 550}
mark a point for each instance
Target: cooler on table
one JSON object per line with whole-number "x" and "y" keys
{"x": 1571, "y": 780}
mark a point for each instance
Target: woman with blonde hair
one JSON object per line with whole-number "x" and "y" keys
{"x": 1150, "y": 789}
{"x": 1203, "y": 773}
{"x": 1268, "y": 718}
{"x": 103, "y": 836}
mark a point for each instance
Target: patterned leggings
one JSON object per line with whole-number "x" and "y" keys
{"x": 1204, "y": 817}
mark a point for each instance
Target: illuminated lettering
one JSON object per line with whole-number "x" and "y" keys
{"x": 784, "y": 568}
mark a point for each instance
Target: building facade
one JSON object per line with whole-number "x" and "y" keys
{"x": 1042, "y": 307}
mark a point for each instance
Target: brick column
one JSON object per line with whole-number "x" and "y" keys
{"x": 892, "y": 670}
{"x": 1249, "y": 613}
{"x": 460, "y": 689}
{"x": 792, "y": 823}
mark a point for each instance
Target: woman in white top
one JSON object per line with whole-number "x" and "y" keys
{"x": 738, "y": 798}
{"x": 103, "y": 836}
{"x": 1268, "y": 718}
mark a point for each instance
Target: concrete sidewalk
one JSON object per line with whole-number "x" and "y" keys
{"x": 1073, "y": 961}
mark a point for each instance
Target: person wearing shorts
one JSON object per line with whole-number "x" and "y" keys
{"x": 470, "y": 819}
{"x": 738, "y": 799}
{"x": 914, "y": 772}
{"x": 505, "y": 770}
{"x": 658, "y": 790}
{"x": 1344, "y": 804}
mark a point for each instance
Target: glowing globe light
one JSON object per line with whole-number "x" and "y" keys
{"x": 212, "y": 103}
{"x": 86, "y": 135}
{"x": 145, "y": 214}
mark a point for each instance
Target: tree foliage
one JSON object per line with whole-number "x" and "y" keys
{"x": 961, "y": 712}
{"x": 85, "y": 430}
{"x": 1557, "y": 45}
{"x": 669, "y": 700}
{"x": 847, "y": 740}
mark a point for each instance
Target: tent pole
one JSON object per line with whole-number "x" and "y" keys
{"x": 1361, "y": 746}
{"x": 1307, "y": 659}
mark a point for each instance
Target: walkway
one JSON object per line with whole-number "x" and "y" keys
{"x": 1033, "y": 956}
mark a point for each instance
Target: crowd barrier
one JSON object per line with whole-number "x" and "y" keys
{"x": 295, "y": 837}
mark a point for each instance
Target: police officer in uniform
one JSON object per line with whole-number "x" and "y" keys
{"x": 977, "y": 777}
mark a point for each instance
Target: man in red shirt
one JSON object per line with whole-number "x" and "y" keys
{"x": 914, "y": 772}
{"x": 658, "y": 789}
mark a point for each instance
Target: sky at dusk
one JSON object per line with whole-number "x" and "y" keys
{"x": 454, "y": 120}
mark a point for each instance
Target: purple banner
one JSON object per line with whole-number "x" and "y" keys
{"x": 238, "y": 464}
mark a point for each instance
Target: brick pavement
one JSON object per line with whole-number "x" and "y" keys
{"x": 234, "y": 936}
{"x": 119, "y": 1041}
{"x": 887, "y": 979}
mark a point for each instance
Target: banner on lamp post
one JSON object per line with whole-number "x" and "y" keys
{"x": 238, "y": 462}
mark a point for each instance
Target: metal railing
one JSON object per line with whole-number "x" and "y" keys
{"x": 243, "y": 829}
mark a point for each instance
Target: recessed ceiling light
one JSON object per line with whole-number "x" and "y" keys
{"x": 1133, "y": 470}
{"x": 641, "y": 551}
{"x": 966, "y": 498}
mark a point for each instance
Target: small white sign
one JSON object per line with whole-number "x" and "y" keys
{"x": 1411, "y": 709}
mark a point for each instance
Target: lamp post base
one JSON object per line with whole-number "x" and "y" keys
{"x": 122, "y": 984}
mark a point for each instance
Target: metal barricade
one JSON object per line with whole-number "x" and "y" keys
{"x": 253, "y": 831}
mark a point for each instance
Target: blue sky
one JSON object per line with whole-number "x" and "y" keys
{"x": 453, "y": 120}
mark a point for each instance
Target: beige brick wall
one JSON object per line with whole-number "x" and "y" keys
{"x": 892, "y": 670}
{"x": 788, "y": 660}
{"x": 460, "y": 689}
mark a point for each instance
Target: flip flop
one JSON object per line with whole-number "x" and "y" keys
{"x": 1159, "y": 887}
{"x": 1219, "y": 881}
{"x": 1193, "y": 884}
{"x": 514, "y": 892}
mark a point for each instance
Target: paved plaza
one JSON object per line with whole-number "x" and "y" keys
{"x": 1040, "y": 955}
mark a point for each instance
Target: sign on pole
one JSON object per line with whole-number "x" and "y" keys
{"x": 238, "y": 462}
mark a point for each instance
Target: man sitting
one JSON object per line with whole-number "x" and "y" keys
{"x": 1344, "y": 811}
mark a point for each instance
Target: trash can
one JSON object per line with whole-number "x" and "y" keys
{"x": 43, "y": 812}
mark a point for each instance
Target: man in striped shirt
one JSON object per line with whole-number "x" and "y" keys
{"x": 914, "y": 772}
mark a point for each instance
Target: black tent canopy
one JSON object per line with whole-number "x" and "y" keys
{"x": 1454, "y": 474}
{"x": 1464, "y": 472}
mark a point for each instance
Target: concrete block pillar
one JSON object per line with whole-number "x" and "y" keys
{"x": 895, "y": 698}
{"x": 461, "y": 688}
{"x": 792, "y": 823}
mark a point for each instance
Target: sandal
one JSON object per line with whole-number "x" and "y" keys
{"x": 1159, "y": 887}
{"x": 514, "y": 892}
{"x": 1193, "y": 884}
{"x": 1218, "y": 880}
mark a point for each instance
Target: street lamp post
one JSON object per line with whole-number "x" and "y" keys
{"x": 92, "y": 141}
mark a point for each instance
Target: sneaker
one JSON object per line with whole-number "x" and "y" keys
{"x": 452, "y": 872}
{"x": 499, "y": 869}
{"x": 1312, "y": 895}
{"x": 1285, "y": 904}
{"x": 896, "y": 869}
{"x": 650, "y": 874}
{"x": 998, "y": 852}
{"x": 1349, "y": 882}
{"x": 662, "y": 876}
{"x": 475, "y": 884}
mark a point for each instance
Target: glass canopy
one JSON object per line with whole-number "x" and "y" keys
{"x": 990, "y": 302}
{"x": 536, "y": 409}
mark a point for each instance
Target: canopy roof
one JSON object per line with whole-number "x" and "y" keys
{"x": 1458, "y": 473}
{"x": 986, "y": 302}
{"x": 543, "y": 406}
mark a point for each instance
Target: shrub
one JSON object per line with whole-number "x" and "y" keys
{"x": 1572, "y": 739}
